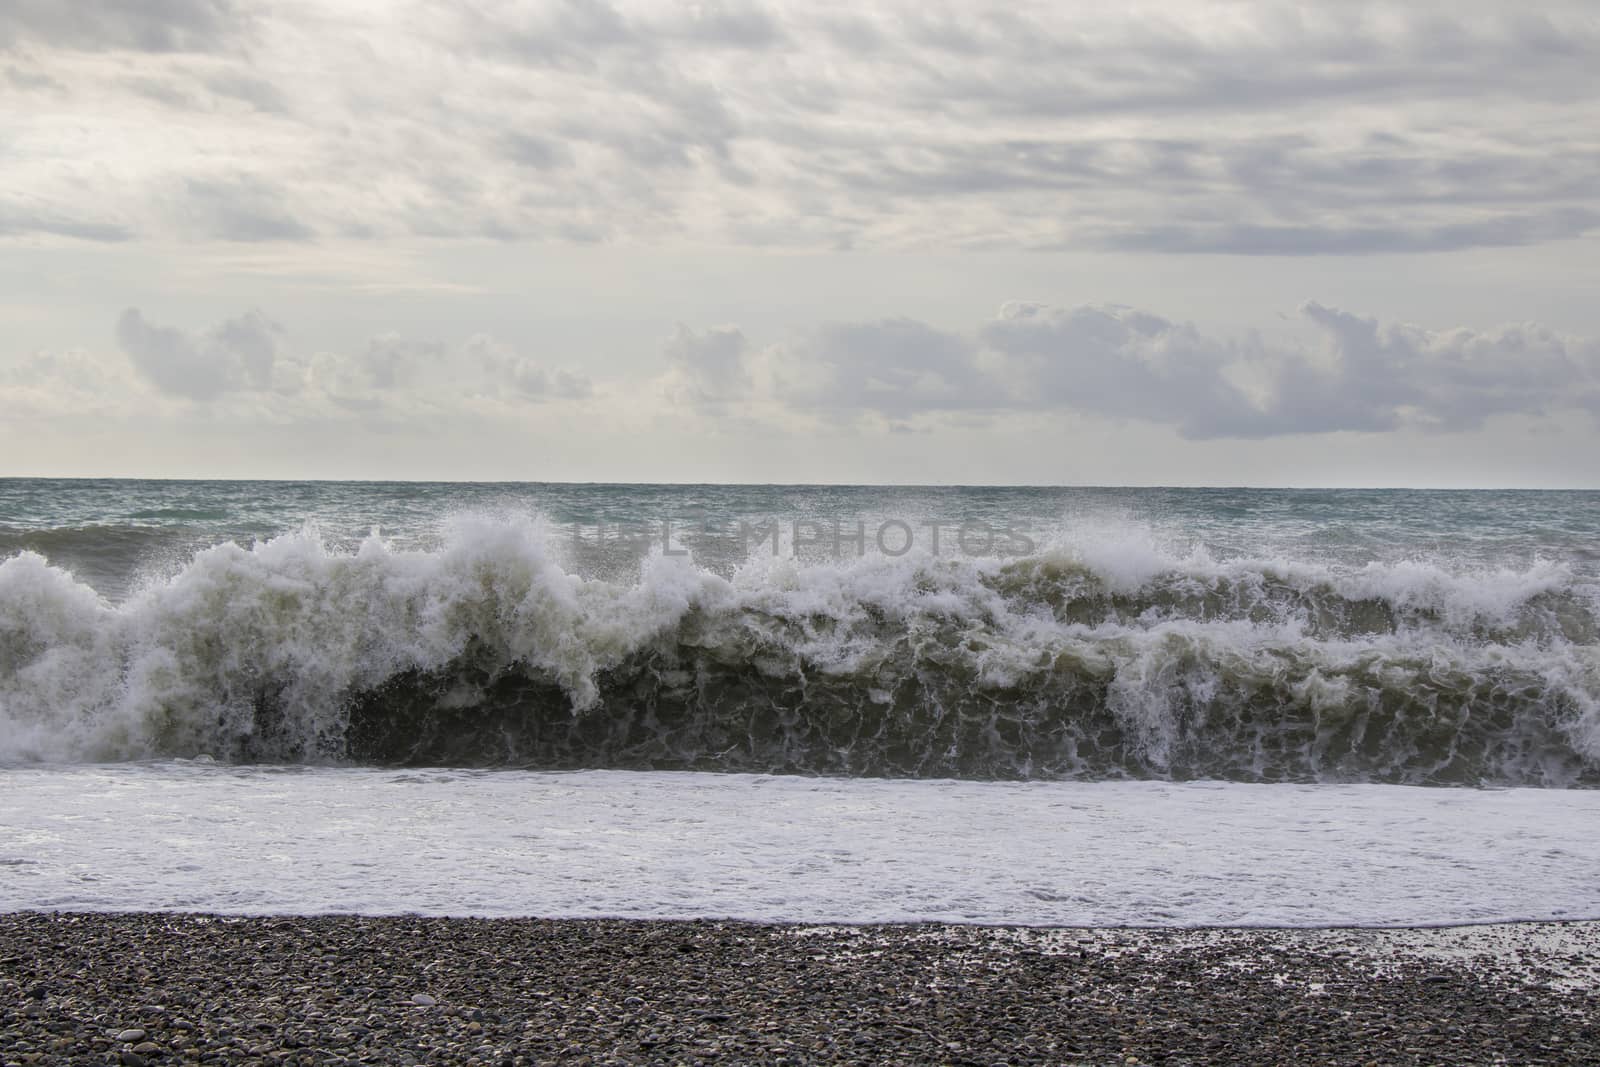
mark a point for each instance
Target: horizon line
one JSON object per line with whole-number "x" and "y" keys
{"x": 1341, "y": 487}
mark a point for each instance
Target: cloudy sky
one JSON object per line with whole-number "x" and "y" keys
{"x": 1186, "y": 243}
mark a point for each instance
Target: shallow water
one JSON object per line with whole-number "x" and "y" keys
{"x": 184, "y": 836}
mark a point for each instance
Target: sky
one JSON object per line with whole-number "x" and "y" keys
{"x": 1251, "y": 243}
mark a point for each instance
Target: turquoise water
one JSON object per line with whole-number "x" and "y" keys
{"x": 111, "y": 532}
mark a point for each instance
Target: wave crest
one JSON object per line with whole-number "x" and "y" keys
{"x": 1083, "y": 659}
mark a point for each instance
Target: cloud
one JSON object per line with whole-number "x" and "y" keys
{"x": 896, "y": 367}
{"x": 507, "y": 371}
{"x": 577, "y": 33}
{"x": 1363, "y": 376}
{"x": 539, "y": 153}
{"x": 1340, "y": 372}
{"x": 65, "y": 385}
{"x": 1256, "y": 57}
{"x": 390, "y": 360}
{"x": 237, "y": 209}
{"x": 1444, "y": 379}
{"x": 246, "y": 361}
{"x": 1265, "y": 128}
{"x": 1354, "y": 375}
{"x": 31, "y": 81}
{"x": 1120, "y": 362}
{"x": 709, "y": 369}
{"x": 134, "y": 25}
{"x": 17, "y": 219}
{"x": 1496, "y": 232}
{"x": 236, "y": 355}
{"x": 570, "y": 385}
{"x": 258, "y": 92}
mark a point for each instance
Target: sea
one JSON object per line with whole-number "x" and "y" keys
{"x": 822, "y": 704}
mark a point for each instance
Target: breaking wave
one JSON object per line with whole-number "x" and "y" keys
{"x": 1088, "y": 658}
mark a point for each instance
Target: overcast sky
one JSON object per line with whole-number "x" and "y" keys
{"x": 1183, "y": 243}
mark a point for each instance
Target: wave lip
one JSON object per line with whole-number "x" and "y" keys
{"x": 1083, "y": 660}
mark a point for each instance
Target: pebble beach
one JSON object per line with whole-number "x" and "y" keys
{"x": 146, "y": 988}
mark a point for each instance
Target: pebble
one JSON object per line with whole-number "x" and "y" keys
{"x": 558, "y": 991}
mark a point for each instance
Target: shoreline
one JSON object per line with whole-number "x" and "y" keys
{"x": 146, "y": 988}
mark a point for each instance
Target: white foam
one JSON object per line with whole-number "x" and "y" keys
{"x": 660, "y": 845}
{"x": 180, "y": 667}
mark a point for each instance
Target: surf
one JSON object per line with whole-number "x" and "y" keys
{"x": 1095, "y": 656}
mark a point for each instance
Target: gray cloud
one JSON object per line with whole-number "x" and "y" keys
{"x": 579, "y": 33}
{"x": 731, "y": 26}
{"x": 1360, "y": 376}
{"x": 540, "y": 153}
{"x": 236, "y": 355}
{"x": 563, "y": 33}
{"x": 17, "y": 219}
{"x": 135, "y": 25}
{"x": 258, "y": 92}
{"x": 1447, "y": 380}
{"x": 1289, "y": 58}
{"x": 1277, "y": 130}
{"x": 238, "y": 209}
{"x": 1496, "y": 232}
{"x": 708, "y": 369}
{"x": 897, "y": 367}
{"x": 390, "y": 361}
{"x": 1120, "y": 362}
{"x": 1364, "y": 377}
{"x": 1346, "y": 373}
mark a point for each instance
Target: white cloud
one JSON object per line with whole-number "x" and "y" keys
{"x": 65, "y": 386}
{"x": 507, "y": 370}
{"x": 245, "y": 360}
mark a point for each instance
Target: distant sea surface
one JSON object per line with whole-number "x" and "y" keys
{"x": 980, "y": 654}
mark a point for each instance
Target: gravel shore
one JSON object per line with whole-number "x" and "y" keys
{"x": 172, "y": 989}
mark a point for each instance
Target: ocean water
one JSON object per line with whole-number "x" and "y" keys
{"x": 994, "y": 704}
